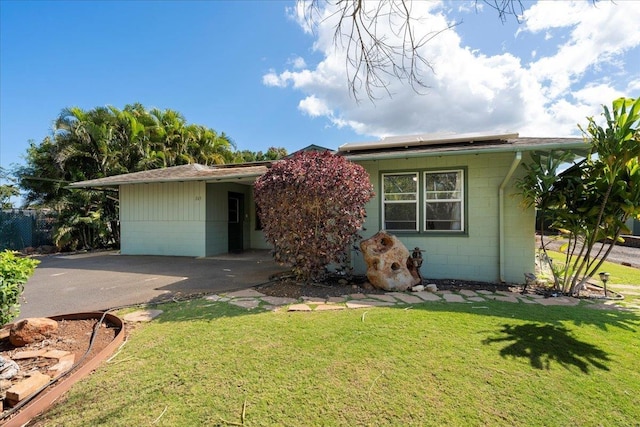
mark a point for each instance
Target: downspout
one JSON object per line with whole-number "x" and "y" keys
{"x": 514, "y": 164}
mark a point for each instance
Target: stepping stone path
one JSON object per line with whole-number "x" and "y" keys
{"x": 251, "y": 299}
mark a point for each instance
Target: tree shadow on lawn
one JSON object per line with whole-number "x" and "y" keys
{"x": 543, "y": 344}
{"x": 545, "y": 338}
{"x": 579, "y": 315}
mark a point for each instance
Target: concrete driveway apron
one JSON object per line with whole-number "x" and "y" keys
{"x": 75, "y": 283}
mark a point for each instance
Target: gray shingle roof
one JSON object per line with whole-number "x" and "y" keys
{"x": 192, "y": 172}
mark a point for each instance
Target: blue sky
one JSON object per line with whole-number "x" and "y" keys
{"x": 254, "y": 70}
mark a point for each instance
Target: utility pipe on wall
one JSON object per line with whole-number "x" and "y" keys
{"x": 514, "y": 164}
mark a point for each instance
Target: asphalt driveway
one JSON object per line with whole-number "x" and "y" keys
{"x": 75, "y": 283}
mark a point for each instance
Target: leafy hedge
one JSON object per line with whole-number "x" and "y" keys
{"x": 14, "y": 273}
{"x": 311, "y": 207}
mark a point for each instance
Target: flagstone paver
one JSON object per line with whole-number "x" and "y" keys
{"x": 250, "y": 299}
{"x": 279, "y": 300}
{"x": 299, "y": 307}
{"x": 246, "y": 303}
{"x": 245, "y": 293}
{"x": 428, "y": 296}
{"x": 454, "y": 298}
{"x": 382, "y": 297}
{"x": 142, "y": 315}
{"x": 468, "y": 293}
{"x": 407, "y": 298}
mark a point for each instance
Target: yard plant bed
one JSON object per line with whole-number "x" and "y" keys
{"x": 74, "y": 336}
{"x": 336, "y": 286}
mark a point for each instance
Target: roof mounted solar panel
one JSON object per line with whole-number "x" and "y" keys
{"x": 407, "y": 141}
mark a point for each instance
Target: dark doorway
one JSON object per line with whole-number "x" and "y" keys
{"x": 236, "y": 222}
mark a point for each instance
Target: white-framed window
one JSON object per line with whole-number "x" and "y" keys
{"x": 444, "y": 200}
{"x": 424, "y": 201}
{"x": 400, "y": 201}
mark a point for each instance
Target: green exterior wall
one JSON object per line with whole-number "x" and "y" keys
{"x": 183, "y": 219}
{"x": 163, "y": 219}
{"x": 473, "y": 255}
{"x": 217, "y": 237}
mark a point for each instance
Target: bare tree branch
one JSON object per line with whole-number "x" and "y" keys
{"x": 373, "y": 56}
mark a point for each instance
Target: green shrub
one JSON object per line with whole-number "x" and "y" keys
{"x": 14, "y": 273}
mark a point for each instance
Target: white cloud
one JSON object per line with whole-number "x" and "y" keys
{"x": 273, "y": 79}
{"x": 314, "y": 107}
{"x": 580, "y": 62}
{"x": 298, "y": 63}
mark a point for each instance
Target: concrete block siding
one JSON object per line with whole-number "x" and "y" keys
{"x": 473, "y": 255}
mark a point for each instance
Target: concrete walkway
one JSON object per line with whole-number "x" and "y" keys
{"x": 251, "y": 299}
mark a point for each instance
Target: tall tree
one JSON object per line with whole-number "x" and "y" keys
{"x": 591, "y": 201}
{"x": 106, "y": 141}
{"x": 7, "y": 191}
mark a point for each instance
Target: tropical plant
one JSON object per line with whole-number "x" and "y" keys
{"x": 14, "y": 273}
{"x": 7, "y": 191}
{"x": 590, "y": 201}
{"x": 311, "y": 207}
{"x": 102, "y": 142}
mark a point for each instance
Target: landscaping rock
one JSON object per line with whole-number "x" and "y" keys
{"x": 8, "y": 368}
{"x": 389, "y": 263}
{"x": 432, "y": 287}
{"x": 26, "y": 387}
{"x": 31, "y": 330}
{"x": 142, "y": 315}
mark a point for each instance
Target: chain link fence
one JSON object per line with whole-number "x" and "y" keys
{"x": 20, "y": 229}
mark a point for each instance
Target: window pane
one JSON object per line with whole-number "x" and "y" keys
{"x": 443, "y": 216}
{"x": 400, "y": 184}
{"x": 400, "y": 216}
{"x": 443, "y": 181}
{"x": 443, "y": 200}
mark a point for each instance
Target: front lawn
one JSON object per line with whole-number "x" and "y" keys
{"x": 432, "y": 364}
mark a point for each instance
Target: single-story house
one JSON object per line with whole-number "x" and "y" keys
{"x": 452, "y": 196}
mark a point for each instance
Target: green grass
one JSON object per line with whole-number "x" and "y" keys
{"x": 620, "y": 274}
{"x": 491, "y": 363}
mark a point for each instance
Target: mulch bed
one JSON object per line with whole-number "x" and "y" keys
{"x": 72, "y": 335}
{"x": 338, "y": 286}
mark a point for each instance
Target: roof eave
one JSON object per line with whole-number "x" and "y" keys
{"x": 578, "y": 146}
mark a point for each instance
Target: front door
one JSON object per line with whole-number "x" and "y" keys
{"x": 236, "y": 218}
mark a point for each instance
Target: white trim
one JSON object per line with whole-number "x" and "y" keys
{"x": 416, "y": 200}
{"x": 460, "y": 182}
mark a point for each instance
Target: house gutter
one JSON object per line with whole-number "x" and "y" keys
{"x": 355, "y": 157}
{"x": 501, "y": 259}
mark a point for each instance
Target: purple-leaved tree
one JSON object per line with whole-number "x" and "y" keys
{"x": 311, "y": 207}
